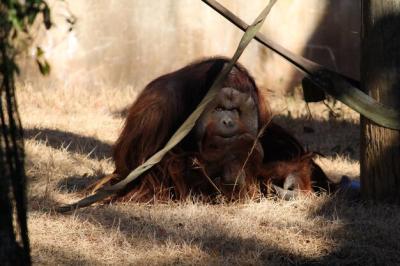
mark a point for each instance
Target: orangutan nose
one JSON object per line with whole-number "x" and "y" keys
{"x": 227, "y": 122}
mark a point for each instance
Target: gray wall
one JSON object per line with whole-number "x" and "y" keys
{"x": 131, "y": 42}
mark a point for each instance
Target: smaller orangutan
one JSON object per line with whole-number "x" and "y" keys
{"x": 234, "y": 149}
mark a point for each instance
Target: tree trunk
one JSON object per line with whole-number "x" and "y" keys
{"x": 380, "y": 78}
{"x": 14, "y": 241}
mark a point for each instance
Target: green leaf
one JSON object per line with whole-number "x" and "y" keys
{"x": 44, "y": 67}
{"x": 39, "y": 52}
{"x": 46, "y": 16}
{"x": 31, "y": 17}
{"x": 13, "y": 17}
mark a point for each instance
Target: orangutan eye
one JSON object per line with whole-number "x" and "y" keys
{"x": 219, "y": 109}
{"x": 235, "y": 110}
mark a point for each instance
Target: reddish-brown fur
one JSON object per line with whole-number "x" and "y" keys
{"x": 162, "y": 107}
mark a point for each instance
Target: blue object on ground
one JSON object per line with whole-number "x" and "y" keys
{"x": 347, "y": 183}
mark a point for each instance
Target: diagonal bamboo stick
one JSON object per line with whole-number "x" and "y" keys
{"x": 185, "y": 128}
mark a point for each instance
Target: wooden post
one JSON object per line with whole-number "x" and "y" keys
{"x": 380, "y": 78}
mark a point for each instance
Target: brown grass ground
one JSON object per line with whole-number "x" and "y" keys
{"x": 69, "y": 133}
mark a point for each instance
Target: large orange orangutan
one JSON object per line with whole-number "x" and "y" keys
{"x": 223, "y": 154}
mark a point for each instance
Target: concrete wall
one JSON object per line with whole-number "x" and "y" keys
{"x": 131, "y": 42}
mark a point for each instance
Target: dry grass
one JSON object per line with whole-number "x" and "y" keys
{"x": 68, "y": 136}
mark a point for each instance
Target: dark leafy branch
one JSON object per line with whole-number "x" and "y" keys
{"x": 16, "y": 20}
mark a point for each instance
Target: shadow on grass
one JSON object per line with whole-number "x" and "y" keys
{"x": 77, "y": 183}
{"x": 369, "y": 233}
{"x": 121, "y": 113}
{"x": 363, "y": 234}
{"x": 60, "y": 256}
{"x": 330, "y": 138}
{"x": 220, "y": 246}
{"x": 42, "y": 203}
{"x": 358, "y": 240}
{"x": 58, "y": 139}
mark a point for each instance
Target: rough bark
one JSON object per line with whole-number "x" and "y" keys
{"x": 380, "y": 77}
{"x": 14, "y": 242}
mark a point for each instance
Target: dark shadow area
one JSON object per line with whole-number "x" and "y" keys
{"x": 221, "y": 247}
{"x": 369, "y": 233}
{"x": 61, "y": 256}
{"x": 364, "y": 233}
{"x": 42, "y": 203}
{"x": 121, "y": 113}
{"x": 359, "y": 239}
{"x": 343, "y": 136}
{"x": 57, "y": 139}
{"x": 381, "y": 79}
{"x": 335, "y": 42}
{"x": 87, "y": 146}
{"x": 77, "y": 183}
